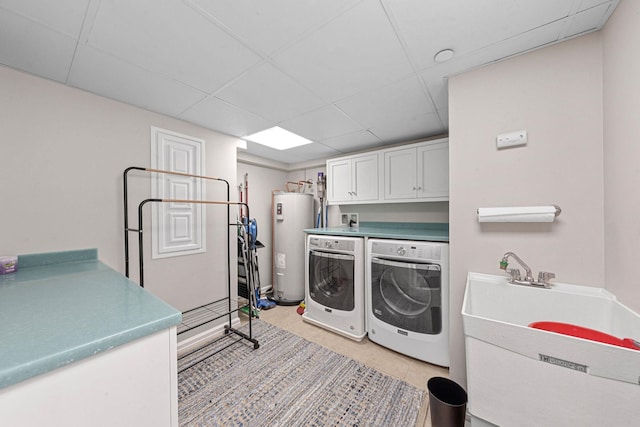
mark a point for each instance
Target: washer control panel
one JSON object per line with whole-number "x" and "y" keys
{"x": 331, "y": 244}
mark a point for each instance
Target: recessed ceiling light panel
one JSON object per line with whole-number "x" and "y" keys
{"x": 278, "y": 138}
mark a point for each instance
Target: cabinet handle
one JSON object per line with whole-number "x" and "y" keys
{"x": 414, "y": 188}
{"x": 419, "y": 188}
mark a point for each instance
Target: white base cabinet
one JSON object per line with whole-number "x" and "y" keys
{"x": 134, "y": 384}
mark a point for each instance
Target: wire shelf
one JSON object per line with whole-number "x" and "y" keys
{"x": 208, "y": 313}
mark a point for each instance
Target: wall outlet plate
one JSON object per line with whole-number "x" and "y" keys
{"x": 349, "y": 219}
{"x": 511, "y": 139}
{"x": 354, "y": 221}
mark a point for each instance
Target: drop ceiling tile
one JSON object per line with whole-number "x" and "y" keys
{"x": 356, "y": 51}
{"x": 438, "y": 86}
{"x": 389, "y": 106}
{"x": 444, "y": 118}
{"x": 266, "y": 91}
{"x": 170, "y": 38}
{"x": 353, "y": 141}
{"x": 292, "y": 155}
{"x": 64, "y": 16}
{"x": 110, "y": 77}
{"x": 34, "y": 48}
{"x": 430, "y": 26}
{"x": 590, "y": 19}
{"x": 587, "y": 4}
{"x": 270, "y": 25}
{"x": 409, "y": 128}
{"x": 216, "y": 114}
{"x": 309, "y": 152}
{"x": 320, "y": 124}
{"x": 435, "y": 77}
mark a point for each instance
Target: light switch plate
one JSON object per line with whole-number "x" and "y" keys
{"x": 511, "y": 139}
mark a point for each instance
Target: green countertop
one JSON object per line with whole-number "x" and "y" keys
{"x": 66, "y": 306}
{"x": 434, "y": 232}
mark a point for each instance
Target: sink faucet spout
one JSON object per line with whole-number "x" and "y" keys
{"x": 527, "y": 271}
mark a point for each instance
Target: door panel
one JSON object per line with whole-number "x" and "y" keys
{"x": 180, "y": 226}
{"x": 339, "y": 181}
{"x": 365, "y": 177}
{"x": 433, "y": 170}
{"x": 400, "y": 174}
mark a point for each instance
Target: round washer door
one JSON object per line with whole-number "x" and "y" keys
{"x": 331, "y": 280}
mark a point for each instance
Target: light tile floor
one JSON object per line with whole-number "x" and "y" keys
{"x": 412, "y": 371}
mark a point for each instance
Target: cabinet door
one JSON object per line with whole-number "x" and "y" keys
{"x": 364, "y": 177}
{"x": 339, "y": 180}
{"x": 433, "y": 171}
{"x": 400, "y": 174}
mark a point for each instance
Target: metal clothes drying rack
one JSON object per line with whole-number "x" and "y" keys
{"x": 206, "y": 313}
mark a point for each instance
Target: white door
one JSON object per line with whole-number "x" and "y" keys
{"x": 178, "y": 227}
{"x": 400, "y": 174}
{"x": 339, "y": 180}
{"x": 364, "y": 177}
{"x": 433, "y": 170}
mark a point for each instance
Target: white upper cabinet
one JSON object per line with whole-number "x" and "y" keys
{"x": 419, "y": 172}
{"x": 339, "y": 180}
{"x": 353, "y": 179}
{"x": 400, "y": 174}
{"x": 433, "y": 171}
{"x": 409, "y": 173}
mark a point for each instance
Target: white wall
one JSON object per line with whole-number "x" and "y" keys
{"x": 400, "y": 212}
{"x": 556, "y": 95}
{"x": 621, "y": 37}
{"x": 62, "y": 155}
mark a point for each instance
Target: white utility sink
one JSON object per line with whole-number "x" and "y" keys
{"x": 518, "y": 375}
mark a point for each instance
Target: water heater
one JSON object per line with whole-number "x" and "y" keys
{"x": 292, "y": 213}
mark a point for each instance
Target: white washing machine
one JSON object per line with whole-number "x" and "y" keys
{"x": 334, "y": 284}
{"x": 408, "y": 297}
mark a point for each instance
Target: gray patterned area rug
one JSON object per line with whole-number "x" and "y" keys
{"x": 288, "y": 381}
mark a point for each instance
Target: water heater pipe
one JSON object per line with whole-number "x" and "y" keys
{"x": 246, "y": 189}
{"x": 273, "y": 236}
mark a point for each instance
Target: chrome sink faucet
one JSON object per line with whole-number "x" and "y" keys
{"x": 528, "y": 280}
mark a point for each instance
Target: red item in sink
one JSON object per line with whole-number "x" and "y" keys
{"x": 586, "y": 333}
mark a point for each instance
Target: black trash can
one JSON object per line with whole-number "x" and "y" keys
{"x": 447, "y": 403}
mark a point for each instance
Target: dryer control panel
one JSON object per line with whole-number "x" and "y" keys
{"x": 407, "y": 250}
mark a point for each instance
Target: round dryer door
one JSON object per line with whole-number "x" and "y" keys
{"x": 405, "y": 291}
{"x": 407, "y": 295}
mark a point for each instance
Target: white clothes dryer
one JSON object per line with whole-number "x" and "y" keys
{"x": 334, "y": 284}
{"x": 407, "y": 290}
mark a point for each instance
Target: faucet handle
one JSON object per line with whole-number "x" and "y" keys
{"x": 544, "y": 277}
{"x": 514, "y": 273}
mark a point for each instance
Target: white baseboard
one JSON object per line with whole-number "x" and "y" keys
{"x": 204, "y": 337}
